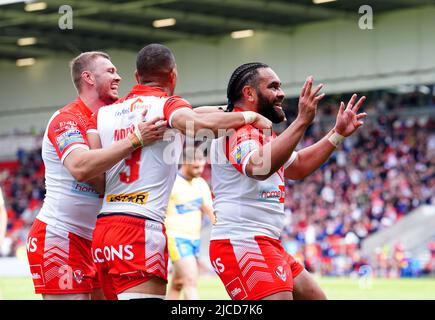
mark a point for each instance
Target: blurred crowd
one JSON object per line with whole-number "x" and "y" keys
{"x": 22, "y": 184}
{"x": 378, "y": 176}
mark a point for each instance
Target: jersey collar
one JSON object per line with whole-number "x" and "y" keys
{"x": 83, "y": 107}
{"x": 237, "y": 109}
{"x": 141, "y": 90}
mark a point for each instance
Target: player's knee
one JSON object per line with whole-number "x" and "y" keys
{"x": 320, "y": 295}
{"x": 177, "y": 284}
{"x": 189, "y": 281}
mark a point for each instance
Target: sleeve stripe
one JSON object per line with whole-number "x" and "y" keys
{"x": 174, "y": 112}
{"x": 290, "y": 160}
{"x": 73, "y": 147}
{"x": 92, "y": 131}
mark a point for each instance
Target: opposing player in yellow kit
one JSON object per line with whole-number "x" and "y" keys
{"x": 190, "y": 199}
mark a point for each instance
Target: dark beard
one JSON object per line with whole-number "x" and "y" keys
{"x": 267, "y": 109}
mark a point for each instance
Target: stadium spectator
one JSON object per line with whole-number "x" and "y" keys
{"x": 380, "y": 175}
{"x": 3, "y": 218}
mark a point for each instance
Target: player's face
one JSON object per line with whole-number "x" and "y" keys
{"x": 270, "y": 95}
{"x": 196, "y": 168}
{"x": 107, "y": 80}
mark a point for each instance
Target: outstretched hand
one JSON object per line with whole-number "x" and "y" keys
{"x": 348, "y": 120}
{"x": 308, "y": 101}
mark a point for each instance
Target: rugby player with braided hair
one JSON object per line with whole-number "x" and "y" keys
{"x": 248, "y": 171}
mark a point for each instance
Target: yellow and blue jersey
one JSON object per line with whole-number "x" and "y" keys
{"x": 184, "y": 215}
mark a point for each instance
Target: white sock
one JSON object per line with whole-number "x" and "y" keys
{"x": 132, "y": 295}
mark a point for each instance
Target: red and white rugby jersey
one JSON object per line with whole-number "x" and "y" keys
{"x": 68, "y": 204}
{"x": 245, "y": 207}
{"x": 142, "y": 183}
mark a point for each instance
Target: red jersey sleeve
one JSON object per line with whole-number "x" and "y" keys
{"x": 172, "y": 105}
{"x": 66, "y": 132}
{"x": 241, "y": 145}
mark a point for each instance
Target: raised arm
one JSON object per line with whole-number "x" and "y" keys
{"x": 311, "y": 158}
{"x": 270, "y": 157}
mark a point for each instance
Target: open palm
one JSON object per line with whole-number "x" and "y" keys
{"x": 348, "y": 120}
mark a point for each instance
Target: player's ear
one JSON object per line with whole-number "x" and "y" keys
{"x": 249, "y": 93}
{"x": 88, "y": 77}
{"x": 136, "y": 76}
{"x": 173, "y": 76}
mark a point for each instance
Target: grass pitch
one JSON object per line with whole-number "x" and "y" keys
{"x": 211, "y": 288}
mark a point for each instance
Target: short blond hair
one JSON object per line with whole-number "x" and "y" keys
{"x": 82, "y": 62}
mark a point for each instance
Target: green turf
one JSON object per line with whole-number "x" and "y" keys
{"x": 335, "y": 288}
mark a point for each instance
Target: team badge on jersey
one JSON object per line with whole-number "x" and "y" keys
{"x": 280, "y": 272}
{"x": 78, "y": 275}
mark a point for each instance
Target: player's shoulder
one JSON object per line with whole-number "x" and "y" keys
{"x": 200, "y": 181}
{"x": 176, "y": 100}
{"x": 71, "y": 108}
{"x": 246, "y": 132}
{"x": 69, "y": 114}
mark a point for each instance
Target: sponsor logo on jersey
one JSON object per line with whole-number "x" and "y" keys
{"x": 72, "y": 135}
{"x": 67, "y": 124}
{"x": 84, "y": 189}
{"x": 280, "y": 272}
{"x": 136, "y": 197}
{"x": 138, "y": 104}
{"x": 243, "y": 149}
{"x": 64, "y": 125}
{"x": 193, "y": 205}
{"x": 272, "y": 195}
{"x": 37, "y": 275}
{"x": 236, "y": 290}
{"x": 110, "y": 253}
{"x": 123, "y": 112}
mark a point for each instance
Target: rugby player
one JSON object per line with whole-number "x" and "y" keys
{"x": 190, "y": 199}
{"x": 248, "y": 171}
{"x": 59, "y": 241}
{"x": 129, "y": 242}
